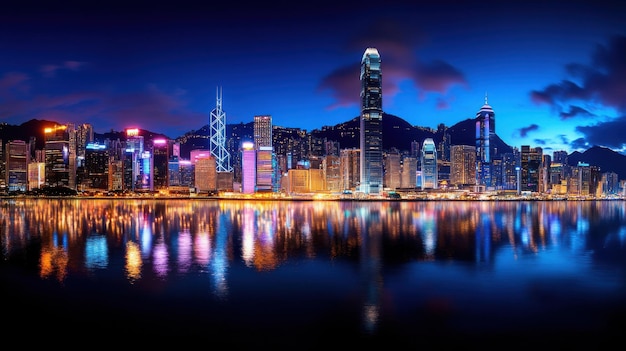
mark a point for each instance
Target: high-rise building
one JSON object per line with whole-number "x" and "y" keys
{"x": 408, "y": 178}
{"x": 16, "y": 163}
{"x": 371, "y": 126}
{"x": 132, "y": 164}
{"x": 393, "y": 170}
{"x": 57, "y": 156}
{"x": 485, "y": 134}
{"x": 530, "y": 163}
{"x": 429, "y": 164}
{"x": 332, "y": 167}
{"x": 218, "y": 136}
{"x": 262, "y": 131}
{"x": 248, "y": 168}
{"x": 205, "y": 174}
{"x": 96, "y": 167}
{"x": 161, "y": 150}
{"x": 510, "y": 167}
{"x": 264, "y": 169}
{"x": 349, "y": 171}
{"x": 462, "y": 165}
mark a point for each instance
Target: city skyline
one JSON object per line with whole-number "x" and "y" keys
{"x": 551, "y": 74}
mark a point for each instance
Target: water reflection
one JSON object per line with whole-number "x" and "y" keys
{"x": 162, "y": 240}
{"x": 175, "y": 235}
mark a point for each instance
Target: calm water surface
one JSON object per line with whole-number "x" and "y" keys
{"x": 311, "y": 274}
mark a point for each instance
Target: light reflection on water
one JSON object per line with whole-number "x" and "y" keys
{"x": 469, "y": 265}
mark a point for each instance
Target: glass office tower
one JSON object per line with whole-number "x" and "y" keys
{"x": 485, "y": 133}
{"x": 371, "y": 136}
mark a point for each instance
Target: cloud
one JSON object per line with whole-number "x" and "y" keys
{"x": 609, "y": 134}
{"x": 523, "y": 132}
{"x": 575, "y": 111}
{"x": 580, "y": 144}
{"x": 344, "y": 86}
{"x": 50, "y": 70}
{"x": 142, "y": 109}
{"x": 397, "y": 45}
{"x": 601, "y": 82}
{"x": 13, "y": 82}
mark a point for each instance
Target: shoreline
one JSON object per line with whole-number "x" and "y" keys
{"x": 306, "y": 198}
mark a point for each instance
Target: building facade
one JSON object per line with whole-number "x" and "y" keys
{"x": 371, "y": 123}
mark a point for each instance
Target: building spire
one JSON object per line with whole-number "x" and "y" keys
{"x": 486, "y": 103}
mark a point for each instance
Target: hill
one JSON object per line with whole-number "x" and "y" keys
{"x": 399, "y": 134}
{"x": 605, "y": 158}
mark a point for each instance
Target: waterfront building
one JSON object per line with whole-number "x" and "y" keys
{"x": 205, "y": 174}
{"x": 248, "y": 168}
{"x": 530, "y": 165}
{"x": 16, "y": 165}
{"x": 371, "y": 123}
{"x": 610, "y": 183}
{"x": 485, "y": 135}
{"x": 95, "y": 168}
{"x": 393, "y": 169}
{"x": 349, "y": 172}
{"x": 408, "y": 176}
{"x": 430, "y": 178}
{"x": 264, "y": 169}
{"x": 462, "y": 165}
{"x": 217, "y": 138}
{"x": 59, "y": 167}
{"x": 332, "y": 173}
{"x": 131, "y": 159}
{"x": 161, "y": 153}
{"x": 510, "y": 167}
{"x": 298, "y": 181}
{"x": 84, "y": 136}
{"x": 180, "y": 173}
{"x": 36, "y": 175}
{"x": 262, "y": 131}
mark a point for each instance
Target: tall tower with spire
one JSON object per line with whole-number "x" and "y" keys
{"x": 485, "y": 151}
{"x": 371, "y": 133}
{"x": 218, "y": 136}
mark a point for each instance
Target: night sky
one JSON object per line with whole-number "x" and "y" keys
{"x": 554, "y": 72}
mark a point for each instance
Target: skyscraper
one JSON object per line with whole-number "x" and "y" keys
{"x": 57, "y": 156}
{"x": 485, "y": 133}
{"x": 262, "y": 131}
{"x": 248, "y": 168}
{"x": 430, "y": 178}
{"x": 218, "y": 136}
{"x": 371, "y": 132}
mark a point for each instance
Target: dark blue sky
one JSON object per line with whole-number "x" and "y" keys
{"x": 554, "y": 72}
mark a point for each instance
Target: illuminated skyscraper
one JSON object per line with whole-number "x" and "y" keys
{"x": 462, "y": 165}
{"x": 96, "y": 165}
{"x": 530, "y": 165}
{"x": 57, "y": 156}
{"x": 161, "y": 155}
{"x": 16, "y": 163}
{"x": 371, "y": 136}
{"x": 262, "y": 131}
{"x": 485, "y": 133}
{"x": 248, "y": 168}
{"x": 218, "y": 137}
{"x": 430, "y": 178}
{"x": 264, "y": 169}
{"x": 133, "y": 152}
